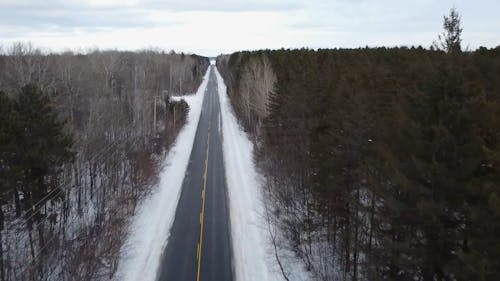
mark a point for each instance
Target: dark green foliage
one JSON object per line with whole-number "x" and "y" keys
{"x": 450, "y": 41}
{"x": 33, "y": 144}
{"x": 8, "y": 174}
{"x": 400, "y": 151}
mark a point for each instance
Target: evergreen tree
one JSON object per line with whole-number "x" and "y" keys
{"x": 450, "y": 40}
{"x": 42, "y": 145}
{"x": 7, "y": 142}
{"x": 33, "y": 146}
{"x": 396, "y": 152}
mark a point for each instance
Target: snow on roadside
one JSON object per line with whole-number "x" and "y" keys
{"x": 253, "y": 254}
{"x": 150, "y": 227}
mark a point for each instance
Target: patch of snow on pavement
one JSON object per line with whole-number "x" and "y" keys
{"x": 253, "y": 254}
{"x": 150, "y": 227}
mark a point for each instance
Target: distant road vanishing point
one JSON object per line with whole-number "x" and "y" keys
{"x": 199, "y": 247}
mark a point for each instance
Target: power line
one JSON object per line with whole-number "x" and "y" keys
{"x": 97, "y": 155}
{"x": 47, "y": 243}
{"x": 66, "y": 198}
{"x": 58, "y": 190}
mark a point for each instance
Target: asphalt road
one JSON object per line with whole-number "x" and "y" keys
{"x": 199, "y": 247}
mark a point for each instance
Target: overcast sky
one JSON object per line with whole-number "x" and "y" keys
{"x": 211, "y": 27}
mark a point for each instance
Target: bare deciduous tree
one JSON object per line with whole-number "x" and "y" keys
{"x": 108, "y": 100}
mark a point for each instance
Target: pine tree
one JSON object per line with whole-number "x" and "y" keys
{"x": 450, "y": 40}
{"x": 33, "y": 146}
{"x": 6, "y": 142}
{"x": 42, "y": 145}
{"x": 7, "y": 175}
{"x": 480, "y": 250}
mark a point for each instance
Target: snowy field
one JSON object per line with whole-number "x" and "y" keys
{"x": 253, "y": 253}
{"x": 150, "y": 227}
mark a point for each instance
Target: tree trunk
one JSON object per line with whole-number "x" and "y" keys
{"x": 347, "y": 242}
{"x": 17, "y": 202}
{"x": 42, "y": 249}
{"x": 355, "y": 254}
{"x": 2, "y": 269}
{"x": 91, "y": 171}
{"x": 41, "y": 239}
{"x": 32, "y": 247}
{"x": 372, "y": 219}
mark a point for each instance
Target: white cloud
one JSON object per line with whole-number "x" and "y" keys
{"x": 211, "y": 27}
{"x": 110, "y": 3}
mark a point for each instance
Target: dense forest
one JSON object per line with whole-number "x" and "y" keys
{"x": 380, "y": 163}
{"x": 81, "y": 139}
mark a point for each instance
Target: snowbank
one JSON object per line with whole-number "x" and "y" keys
{"x": 253, "y": 254}
{"x": 150, "y": 227}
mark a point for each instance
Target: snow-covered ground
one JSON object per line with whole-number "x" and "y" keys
{"x": 253, "y": 253}
{"x": 149, "y": 228}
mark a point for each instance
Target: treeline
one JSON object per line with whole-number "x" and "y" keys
{"x": 81, "y": 139}
{"x": 380, "y": 163}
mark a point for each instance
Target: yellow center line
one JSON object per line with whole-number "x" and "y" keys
{"x": 202, "y": 214}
